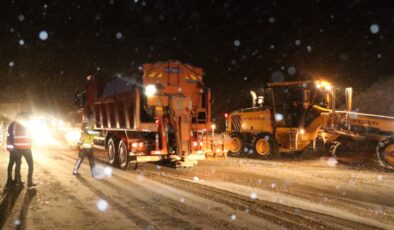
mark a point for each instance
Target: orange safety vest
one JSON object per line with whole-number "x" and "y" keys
{"x": 22, "y": 138}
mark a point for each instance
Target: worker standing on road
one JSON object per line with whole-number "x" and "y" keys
{"x": 86, "y": 148}
{"x": 19, "y": 143}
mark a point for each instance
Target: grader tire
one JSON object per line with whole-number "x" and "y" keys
{"x": 385, "y": 153}
{"x": 264, "y": 146}
{"x": 237, "y": 145}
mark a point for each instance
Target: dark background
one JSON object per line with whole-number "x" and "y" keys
{"x": 241, "y": 45}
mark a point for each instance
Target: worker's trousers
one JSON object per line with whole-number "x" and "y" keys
{"x": 16, "y": 157}
{"x": 82, "y": 154}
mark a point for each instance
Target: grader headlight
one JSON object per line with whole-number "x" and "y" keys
{"x": 324, "y": 85}
{"x": 150, "y": 90}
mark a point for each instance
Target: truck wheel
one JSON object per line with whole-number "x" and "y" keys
{"x": 123, "y": 155}
{"x": 237, "y": 144}
{"x": 264, "y": 146}
{"x": 385, "y": 153}
{"x": 112, "y": 151}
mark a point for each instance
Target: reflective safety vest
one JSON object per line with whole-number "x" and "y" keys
{"x": 86, "y": 140}
{"x": 21, "y": 137}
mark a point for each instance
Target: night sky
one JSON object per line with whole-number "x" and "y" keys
{"x": 47, "y": 48}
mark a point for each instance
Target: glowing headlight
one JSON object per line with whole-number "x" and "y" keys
{"x": 87, "y": 146}
{"x": 73, "y": 136}
{"x": 150, "y": 90}
{"x": 302, "y": 131}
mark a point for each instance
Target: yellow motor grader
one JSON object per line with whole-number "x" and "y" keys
{"x": 291, "y": 116}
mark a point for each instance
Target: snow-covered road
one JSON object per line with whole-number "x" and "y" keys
{"x": 233, "y": 193}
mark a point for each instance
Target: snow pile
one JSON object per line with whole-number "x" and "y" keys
{"x": 377, "y": 99}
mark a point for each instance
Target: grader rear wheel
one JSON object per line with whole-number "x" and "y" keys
{"x": 264, "y": 146}
{"x": 385, "y": 153}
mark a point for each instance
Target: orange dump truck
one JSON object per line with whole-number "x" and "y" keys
{"x": 163, "y": 114}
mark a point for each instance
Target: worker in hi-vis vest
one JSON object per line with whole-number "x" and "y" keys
{"x": 19, "y": 143}
{"x": 86, "y": 148}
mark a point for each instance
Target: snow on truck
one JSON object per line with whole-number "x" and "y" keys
{"x": 163, "y": 114}
{"x": 295, "y": 115}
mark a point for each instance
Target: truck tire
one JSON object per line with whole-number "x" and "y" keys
{"x": 112, "y": 152}
{"x": 264, "y": 146}
{"x": 123, "y": 156}
{"x": 237, "y": 144}
{"x": 385, "y": 153}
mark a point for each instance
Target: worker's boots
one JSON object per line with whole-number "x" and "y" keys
{"x": 31, "y": 185}
{"x": 10, "y": 183}
{"x": 19, "y": 183}
{"x": 77, "y": 165}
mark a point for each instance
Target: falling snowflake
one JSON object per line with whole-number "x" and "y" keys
{"x": 182, "y": 200}
{"x": 21, "y": 17}
{"x": 245, "y": 78}
{"x": 237, "y": 43}
{"x": 379, "y": 56}
{"x": 102, "y": 205}
{"x": 43, "y": 35}
{"x": 273, "y": 185}
{"x": 246, "y": 149}
{"x": 297, "y": 42}
{"x": 278, "y": 117}
{"x": 253, "y": 195}
{"x": 267, "y": 138}
{"x": 158, "y": 167}
{"x": 271, "y": 19}
{"x": 196, "y": 178}
{"x": 17, "y": 222}
{"x": 309, "y": 48}
{"x": 291, "y": 70}
{"x": 233, "y": 217}
{"x": 374, "y": 28}
{"x": 11, "y": 64}
{"x": 332, "y": 162}
{"x": 119, "y": 35}
{"x": 380, "y": 177}
{"x": 272, "y": 47}
{"x": 108, "y": 171}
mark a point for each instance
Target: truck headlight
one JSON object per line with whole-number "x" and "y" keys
{"x": 150, "y": 90}
{"x": 88, "y": 146}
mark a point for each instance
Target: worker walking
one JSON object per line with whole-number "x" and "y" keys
{"x": 86, "y": 149}
{"x": 19, "y": 143}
